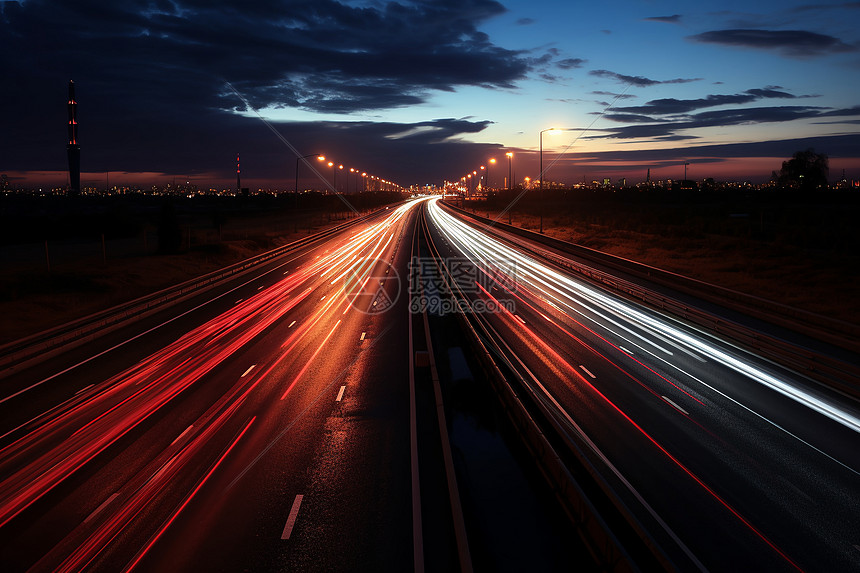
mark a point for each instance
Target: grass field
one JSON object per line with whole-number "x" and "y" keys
{"x": 86, "y": 275}
{"x": 803, "y": 252}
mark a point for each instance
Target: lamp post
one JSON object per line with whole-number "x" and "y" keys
{"x": 491, "y": 161}
{"x": 510, "y": 156}
{"x": 483, "y": 181}
{"x": 685, "y": 170}
{"x": 319, "y": 157}
{"x": 296, "y": 193}
{"x": 540, "y": 200}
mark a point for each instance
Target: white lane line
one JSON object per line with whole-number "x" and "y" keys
{"x": 101, "y": 507}
{"x": 286, "y": 272}
{"x": 260, "y": 287}
{"x": 625, "y": 350}
{"x": 340, "y": 394}
{"x": 587, "y": 371}
{"x": 677, "y": 407}
{"x": 248, "y": 371}
{"x": 238, "y": 301}
{"x": 362, "y": 335}
{"x": 84, "y": 389}
{"x": 179, "y": 437}
{"x": 291, "y": 520}
{"x": 323, "y": 297}
{"x": 291, "y": 324}
{"x": 520, "y": 319}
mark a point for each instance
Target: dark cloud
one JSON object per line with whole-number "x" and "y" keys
{"x": 570, "y": 63}
{"x": 152, "y": 76}
{"x": 672, "y": 106}
{"x": 615, "y": 95}
{"x": 835, "y": 146}
{"x": 716, "y": 118}
{"x": 673, "y": 19}
{"x": 627, "y": 117}
{"x": 795, "y": 43}
{"x": 638, "y": 81}
{"x": 359, "y": 58}
{"x": 821, "y": 7}
{"x": 855, "y": 110}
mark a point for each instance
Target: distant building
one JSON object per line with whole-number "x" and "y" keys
{"x": 686, "y": 185}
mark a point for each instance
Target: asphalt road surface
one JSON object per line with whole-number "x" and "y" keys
{"x": 265, "y": 424}
{"x": 732, "y": 462}
{"x": 262, "y": 425}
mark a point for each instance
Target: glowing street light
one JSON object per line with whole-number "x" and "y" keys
{"x": 510, "y": 156}
{"x": 319, "y": 157}
{"x": 491, "y": 161}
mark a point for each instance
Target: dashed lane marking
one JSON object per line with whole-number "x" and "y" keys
{"x": 677, "y": 407}
{"x": 587, "y": 371}
{"x": 291, "y": 520}
{"x": 105, "y": 504}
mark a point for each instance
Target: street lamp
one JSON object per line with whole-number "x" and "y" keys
{"x": 320, "y": 157}
{"x": 541, "y": 176}
{"x": 510, "y": 155}
{"x": 491, "y": 161}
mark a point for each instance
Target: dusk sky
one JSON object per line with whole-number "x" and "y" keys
{"x": 421, "y": 91}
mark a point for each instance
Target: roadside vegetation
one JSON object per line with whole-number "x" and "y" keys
{"x": 64, "y": 259}
{"x": 800, "y": 249}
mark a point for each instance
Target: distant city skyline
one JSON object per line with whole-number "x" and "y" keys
{"x": 419, "y": 92}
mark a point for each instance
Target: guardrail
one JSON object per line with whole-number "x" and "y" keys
{"x": 835, "y": 373}
{"x": 42, "y": 345}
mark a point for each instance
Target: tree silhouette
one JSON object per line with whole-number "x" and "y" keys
{"x": 805, "y": 170}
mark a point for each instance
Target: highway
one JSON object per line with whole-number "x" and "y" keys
{"x": 269, "y": 423}
{"x": 262, "y": 425}
{"x": 731, "y": 462}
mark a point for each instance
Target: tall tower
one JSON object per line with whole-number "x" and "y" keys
{"x": 73, "y": 149}
{"x": 238, "y": 182}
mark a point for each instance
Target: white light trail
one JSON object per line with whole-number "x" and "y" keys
{"x": 483, "y": 249}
